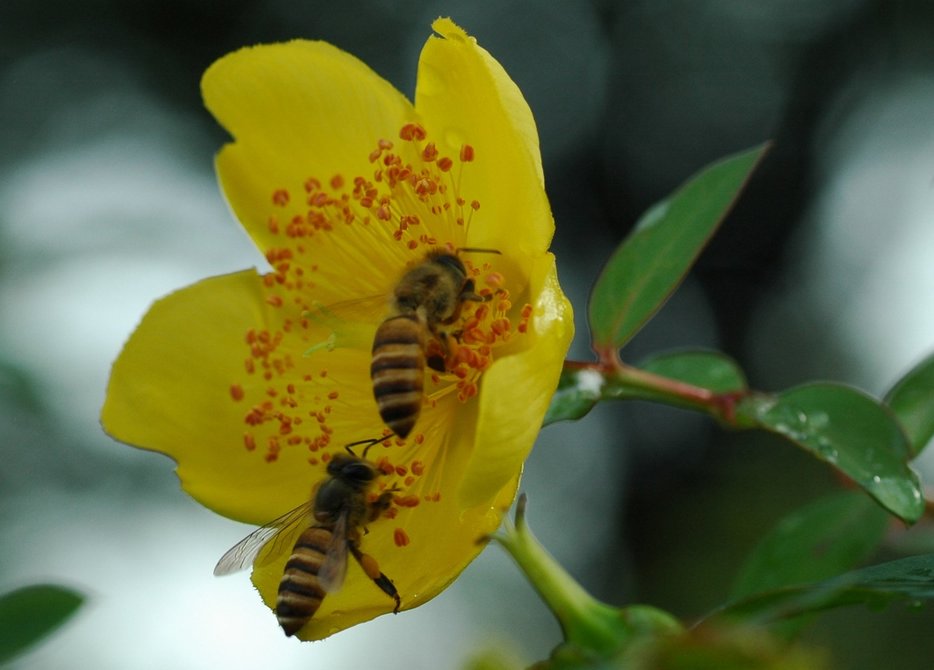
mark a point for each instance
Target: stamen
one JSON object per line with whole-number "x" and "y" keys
{"x": 411, "y": 193}
{"x": 400, "y": 537}
{"x": 280, "y": 197}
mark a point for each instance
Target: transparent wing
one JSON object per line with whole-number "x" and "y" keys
{"x": 334, "y": 567}
{"x": 350, "y": 323}
{"x": 244, "y": 553}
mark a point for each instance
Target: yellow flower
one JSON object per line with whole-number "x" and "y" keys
{"x": 252, "y": 382}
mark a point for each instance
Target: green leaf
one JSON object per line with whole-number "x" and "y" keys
{"x": 851, "y": 431}
{"x": 650, "y": 263}
{"x": 912, "y": 400}
{"x": 815, "y": 542}
{"x": 578, "y": 391}
{"x": 30, "y": 613}
{"x": 907, "y": 580}
{"x": 708, "y": 369}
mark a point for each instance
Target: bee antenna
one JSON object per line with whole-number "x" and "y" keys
{"x": 479, "y": 250}
{"x": 368, "y": 442}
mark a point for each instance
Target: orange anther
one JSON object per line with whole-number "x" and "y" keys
{"x": 384, "y": 466}
{"x": 430, "y": 152}
{"x": 407, "y": 501}
{"x": 494, "y": 280}
{"x": 412, "y": 131}
{"x": 249, "y": 441}
{"x": 280, "y": 197}
{"x": 236, "y": 392}
{"x": 400, "y": 537}
{"x": 467, "y": 153}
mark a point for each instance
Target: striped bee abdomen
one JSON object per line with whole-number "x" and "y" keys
{"x": 300, "y": 592}
{"x": 397, "y": 371}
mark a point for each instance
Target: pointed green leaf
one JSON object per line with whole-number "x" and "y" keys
{"x": 908, "y": 579}
{"x": 708, "y": 369}
{"x": 30, "y": 613}
{"x": 650, "y": 263}
{"x": 578, "y": 391}
{"x": 912, "y": 400}
{"x": 853, "y": 432}
{"x": 816, "y": 542}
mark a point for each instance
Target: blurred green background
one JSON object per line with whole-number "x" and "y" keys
{"x": 825, "y": 269}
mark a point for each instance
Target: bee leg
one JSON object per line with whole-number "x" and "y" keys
{"x": 437, "y": 351}
{"x": 469, "y": 293}
{"x": 379, "y": 506}
{"x": 371, "y": 568}
{"x": 466, "y": 293}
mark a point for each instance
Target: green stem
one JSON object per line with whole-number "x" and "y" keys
{"x": 586, "y": 622}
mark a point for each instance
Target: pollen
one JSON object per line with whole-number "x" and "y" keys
{"x": 409, "y": 194}
{"x": 470, "y": 343}
{"x": 407, "y": 501}
{"x": 280, "y": 197}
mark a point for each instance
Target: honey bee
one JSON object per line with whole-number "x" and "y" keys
{"x": 429, "y": 296}
{"x": 338, "y": 511}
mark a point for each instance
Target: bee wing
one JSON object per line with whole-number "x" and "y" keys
{"x": 245, "y": 552}
{"x": 334, "y": 567}
{"x": 350, "y": 322}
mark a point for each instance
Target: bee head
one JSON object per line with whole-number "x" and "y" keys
{"x": 449, "y": 262}
{"x": 352, "y": 470}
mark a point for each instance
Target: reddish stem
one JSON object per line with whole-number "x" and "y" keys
{"x": 609, "y": 365}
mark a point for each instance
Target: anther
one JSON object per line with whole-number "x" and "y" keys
{"x": 280, "y": 197}
{"x": 412, "y": 131}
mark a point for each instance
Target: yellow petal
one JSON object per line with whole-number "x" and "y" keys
{"x": 170, "y": 391}
{"x": 296, "y": 110}
{"x": 517, "y": 390}
{"x": 465, "y": 96}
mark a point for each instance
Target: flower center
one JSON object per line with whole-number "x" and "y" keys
{"x": 467, "y": 349}
{"x": 298, "y": 391}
